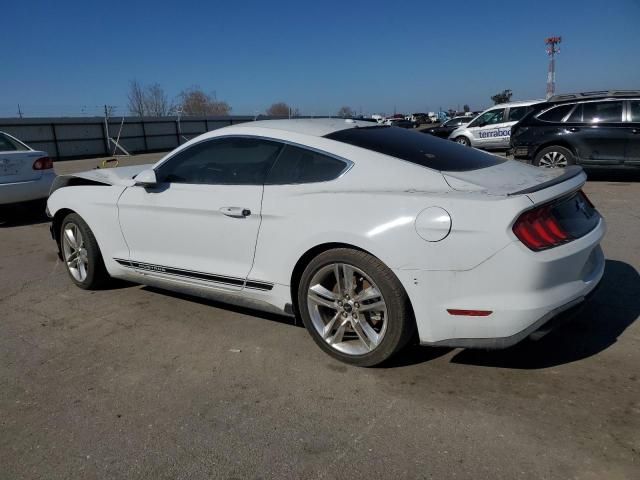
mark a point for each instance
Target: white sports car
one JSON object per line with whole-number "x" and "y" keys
{"x": 25, "y": 174}
{"x": 372, "y": 235}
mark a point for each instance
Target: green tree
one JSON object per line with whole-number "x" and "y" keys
{"x": 502, "y": 97}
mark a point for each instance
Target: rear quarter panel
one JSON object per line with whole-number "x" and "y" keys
{"x": 380, "y": 218}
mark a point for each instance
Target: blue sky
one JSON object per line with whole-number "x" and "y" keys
{"x": 66, "y": 56}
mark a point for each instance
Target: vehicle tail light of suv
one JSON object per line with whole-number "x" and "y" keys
{"x": 555, "y": 223}
{"x": 43, "y": 163}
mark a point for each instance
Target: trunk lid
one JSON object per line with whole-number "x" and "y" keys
{"x": 17, "y": 166}
{"x": 509, "y": 178}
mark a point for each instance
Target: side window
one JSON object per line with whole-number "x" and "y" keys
{"x": 299, "y": 165}
{"x": 7, "y": 144}
{"x": 489, "y": 118}
{"x": 599, "y": 112}
{"x": 635, "y": 110}
{"x": 556, "y": 114}
{"x": 225, "y": 161}
{"x": 516, "y": 113}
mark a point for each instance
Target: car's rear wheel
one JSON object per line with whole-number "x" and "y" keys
{"x": 354, "y": 307}
{"x": 463, "y": 141}
{"x": 554, "y": 157}
{"x": 81, "y": 254}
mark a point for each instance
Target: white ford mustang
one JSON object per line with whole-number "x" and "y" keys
{"x": 372, "y": 235}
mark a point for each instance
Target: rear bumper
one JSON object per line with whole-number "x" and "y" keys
{"x": 549, "y": 322}
{"x": 19, "y": 192}
{"x": 523, "y": 290}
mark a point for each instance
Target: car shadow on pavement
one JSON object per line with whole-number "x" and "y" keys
{"x": 604, "y": 317}
{"x": 31, "y": 213}
{"x": 274, "y": 317}
{"x": 619, "y": 176}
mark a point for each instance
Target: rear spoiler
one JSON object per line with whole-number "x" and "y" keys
{"x": 569, "y": 172}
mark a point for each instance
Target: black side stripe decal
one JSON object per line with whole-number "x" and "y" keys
{"x": 179, "y": 272}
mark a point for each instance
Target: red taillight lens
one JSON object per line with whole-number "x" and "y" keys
{"x": 43, "y": 163}
{"x": 538, "y": 229}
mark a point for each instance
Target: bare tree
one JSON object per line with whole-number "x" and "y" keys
{"x": 194, "y": 101}
{"x": 136, "y": 99}
{"x": 345, "y": 112}
{"x": 279, "y": 109}
{"x": 156, "y": 101}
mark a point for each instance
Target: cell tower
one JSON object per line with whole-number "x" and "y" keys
{"x": 552, "y": 48}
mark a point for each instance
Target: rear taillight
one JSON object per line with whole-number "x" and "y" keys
{"x": 538, "y": 229}
{"x": 43, "y": 163}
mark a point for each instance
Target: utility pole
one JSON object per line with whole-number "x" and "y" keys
{"x": 553, "y": 48}
{"x": 19, "y": 111}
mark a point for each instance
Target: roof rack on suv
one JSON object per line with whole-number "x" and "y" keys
{"x": 596, "y": 94}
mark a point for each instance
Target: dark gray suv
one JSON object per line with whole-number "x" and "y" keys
{"x": 590, "y": 129}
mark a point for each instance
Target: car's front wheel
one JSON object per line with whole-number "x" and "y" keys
{"x": 81, "y": 254}
{"x": 463, "y": 141}
{"x": 354, "y": 307}
{"x": 554, "y": 157}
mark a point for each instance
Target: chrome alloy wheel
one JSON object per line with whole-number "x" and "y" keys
{"x": 347, "y": 309}
{"x": 75, "y": 253}
{"x": 553, "y": 160}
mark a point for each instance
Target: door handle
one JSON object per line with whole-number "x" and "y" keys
{"x": 573, "y": 129}
{"x": 635, "y": 131}
{"x": 236, "y": 212}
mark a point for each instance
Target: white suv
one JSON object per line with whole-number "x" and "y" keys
{"x": 492, "y": 128}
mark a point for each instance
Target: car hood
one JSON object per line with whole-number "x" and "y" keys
{"x": 113, "y": 176}
{"x": 122, "y": 176}
{"x": 503, "y": 179}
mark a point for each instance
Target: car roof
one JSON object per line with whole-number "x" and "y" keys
{"x": 597, "y": 95}
{"x": 524, "y": 103}
{"x": 318, "y": 127}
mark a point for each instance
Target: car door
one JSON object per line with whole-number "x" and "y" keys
{"x": 485, "y": 129}
{"x": 200, "y": 223}
{"x": 632, "y": 148}
{"x": 597, "y": 132}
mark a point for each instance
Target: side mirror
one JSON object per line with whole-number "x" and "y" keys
{"x": 146, "y": 178}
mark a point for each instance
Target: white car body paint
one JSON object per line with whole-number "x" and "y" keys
{"x": 155, "y": 237}
{"x": 19, "y": 182}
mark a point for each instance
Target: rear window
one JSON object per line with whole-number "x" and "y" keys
{"x": 8, "y": 144}
{"x": 415, "y": 147}
{"x": 556, "y": 114}
{"x": 516, "y": 113}
{"x": 299, "y": 165}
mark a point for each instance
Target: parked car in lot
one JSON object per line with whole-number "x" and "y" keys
{"x": 399, "y": 122}
{"x": 591, "y": 129}
{"x": 492, "y": 128}
{"x": 25, "y": 174}
{"x": 444, "y": 130}
{"x": 303, "y": 217}
{"x": 419, "y": 118}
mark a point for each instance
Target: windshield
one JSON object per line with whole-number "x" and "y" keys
{"x": 415, "y": 147}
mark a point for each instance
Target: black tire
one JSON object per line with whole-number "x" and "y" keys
{"x": 462, "y": 140}
{"x": 96, "y": 273}
{"x": 544, "y": 158}
{"x": 400, "y": 323}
